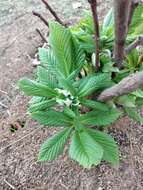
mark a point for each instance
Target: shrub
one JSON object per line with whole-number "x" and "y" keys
{"x": 66, "y": 91}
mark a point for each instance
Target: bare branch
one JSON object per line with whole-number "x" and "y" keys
{"x": 129, "y": 84}
{"x": 93, "y": 4}
{"x": 53, "y": 12}
{"x": 41, "y": 17}
{"x": 41, "y": 35}
{"x": 137, "y": 42}
{"x": 122, "y": 8}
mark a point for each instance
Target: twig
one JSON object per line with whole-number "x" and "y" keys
{"x": 3, "y": 92}
{"x": 53, "y": 12}
{"x": 93, "y": 4}
{"x": 137, "y": 42}
{"x": 3, "y": 105}
{"x": 41, "y": 17}
{"x": 11, "y": 186}
{"x": 41, "y": 35}
{"x": 129, "y": 84}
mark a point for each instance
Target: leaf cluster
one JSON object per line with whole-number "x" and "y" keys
{"x": 65, "y": 91}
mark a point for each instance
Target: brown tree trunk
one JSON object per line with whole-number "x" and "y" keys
{"x": 122, "y": 9}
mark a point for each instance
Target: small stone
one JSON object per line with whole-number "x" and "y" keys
{"x": 76, "y": 5}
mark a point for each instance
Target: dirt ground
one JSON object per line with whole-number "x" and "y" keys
{"x": 18, "y": 151}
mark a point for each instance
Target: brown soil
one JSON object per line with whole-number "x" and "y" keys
{"x": 18, "y": 151}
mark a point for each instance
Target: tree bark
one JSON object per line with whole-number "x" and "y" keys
{"x": 93, "y": 4}
{"x": 129, "y": 84}
{"x": 121, "y": 8}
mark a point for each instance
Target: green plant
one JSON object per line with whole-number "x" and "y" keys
{"x": 65, "y": 93}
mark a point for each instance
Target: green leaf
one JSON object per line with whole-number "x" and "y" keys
{"x": 121, "y": 75}
{"x": 69, "y": 112}
{"x": 86, "y": 42}
{"x": 133, "y": 60}
{"x": 139, "y": 101}
{"x": 109, "y": 67}
{"x": 79, "y": 60}
{"x": 45, "y": 77}
{"x": 32, "y": 88}
{"x": 78, "y": 53}
{"x": 43, "y": 55}
{"x": 69, "y": 55}
{"x": 48, "y": 60}
{"x": 107, "y": 143}
{"x": 54, "y": 146}
{"x": 86, "y": 24}
{"x": 94, "y": 105}
{"x": 67, "y": 85}
{"x": 90, "y": 84}
{"x": 75, "y": 73}
{"x": 137, "y": 21}
{"x": 77, "y": 124}
{"x": 85, "y": 150}
{"x": 105, "y": 57}
{"x": 133, "y": 114}
{"x": 46, "y": 57}
{"x": 61, "y": 43}
{"x": 47, "y": 73}
{"x": 126, "y": 101}
{"x": 100, "y": 118}
{"x": 109, "y": 20}
{"x": 37, "y": 99}
{"x": 52, "y": 118}
{"x": 139, "y": 29}
{"x": 138, "y": 93}
{"x": 41, "y": 105}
